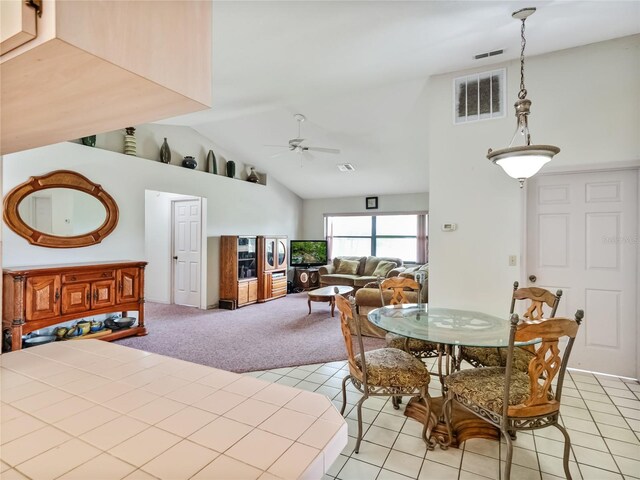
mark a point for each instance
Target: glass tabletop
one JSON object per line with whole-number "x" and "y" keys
{"x": 444, "y": 325}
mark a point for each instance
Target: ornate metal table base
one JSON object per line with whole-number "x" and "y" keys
{"x": 465, "y": 424}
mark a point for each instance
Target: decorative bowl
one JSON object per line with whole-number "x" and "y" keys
{"x": 125, "y": 322}
{"x": 119, "y": 323}
{"x": 60, "y": 332}
{"x": 189, "y": 162}
{"x": 83, "y": 328}
{"x": 72, "y": 332}
{"x": 96, "y": 326}
{"x": 38, "y": 340}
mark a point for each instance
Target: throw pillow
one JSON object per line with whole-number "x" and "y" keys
{"x": 370, "y": 266}
{"x": 348, "y": 267}
{"x": 384, "y": 268}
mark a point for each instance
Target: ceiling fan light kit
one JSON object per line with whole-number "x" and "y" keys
{"x": 524, "y": 161}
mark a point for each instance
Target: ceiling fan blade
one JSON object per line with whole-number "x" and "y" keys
{"x": 324, "y": 150}
{"x": 280, "y": 146}
{"x": 278, "y": 154}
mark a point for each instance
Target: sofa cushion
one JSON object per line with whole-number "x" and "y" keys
{"x": 348, "y": 267}
{"x": 370, "y": 265}
{"x": 372, "y": 262}
{"x": 362, "y": 281}
{"x": 338, "y": 279}
{"x": 361, "y": 260}
{"x": 383, "y": 268}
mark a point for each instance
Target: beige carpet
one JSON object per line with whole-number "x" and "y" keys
{"x": 263, "y": 336}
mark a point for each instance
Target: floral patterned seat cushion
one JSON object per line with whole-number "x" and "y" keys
{"x": 391, "y": 367}
{"x": 413, "y": 345}
{"x": 497, "y": 357}
{"x": 485, "y": 387}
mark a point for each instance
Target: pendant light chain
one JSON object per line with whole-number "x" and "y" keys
{"x": 523, "y": 43}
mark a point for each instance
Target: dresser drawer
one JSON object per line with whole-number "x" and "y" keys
{"x": 88, "y": 276}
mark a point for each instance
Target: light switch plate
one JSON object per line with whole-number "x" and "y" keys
{"x": 513, "y": 260}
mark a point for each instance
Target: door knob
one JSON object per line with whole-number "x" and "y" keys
{"x": 533, "y": 278}
{"x": 175, "y": 257}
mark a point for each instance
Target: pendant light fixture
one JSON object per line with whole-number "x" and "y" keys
{"x": 524, "y": 161}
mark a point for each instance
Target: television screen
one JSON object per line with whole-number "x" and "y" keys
{"x": 308, "y": 253}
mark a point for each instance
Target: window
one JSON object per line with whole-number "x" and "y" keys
{"x": 402, "y": 236}
{"x": 479, "y": 96}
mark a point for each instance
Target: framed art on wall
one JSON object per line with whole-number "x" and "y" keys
{"x": 372, "y": 203}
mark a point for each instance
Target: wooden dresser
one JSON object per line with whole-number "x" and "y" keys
{"x": 41, "y": 296}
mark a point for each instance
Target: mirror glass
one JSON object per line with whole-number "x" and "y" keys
{"x": 63, "y": 212}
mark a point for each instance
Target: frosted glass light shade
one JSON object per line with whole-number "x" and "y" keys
{"x": 523, "y": 162}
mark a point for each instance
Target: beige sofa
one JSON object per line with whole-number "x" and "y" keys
{"x": 368, "y": 298}
{"x": 332, "y": 274}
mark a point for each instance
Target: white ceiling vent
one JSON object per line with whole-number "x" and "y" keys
{"x": 479, "y": 96}
{"x": 492, "y": 53}
{"x": 346, "y": 167}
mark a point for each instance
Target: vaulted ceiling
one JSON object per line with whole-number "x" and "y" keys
{"x": 358, "y": 71}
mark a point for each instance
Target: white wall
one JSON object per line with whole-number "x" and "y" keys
{"x": 315, "y": 209}
{"x": 234, "y": 206}
{"x": 585, "y": 100}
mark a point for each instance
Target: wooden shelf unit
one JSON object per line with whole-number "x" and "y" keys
{"x": 272, "y": 267}
{"x": 252, "y": 269}
{"x": 42, "y": 296}
{"x": 238, "y": 271}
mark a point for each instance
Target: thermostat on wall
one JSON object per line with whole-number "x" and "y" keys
{"x": 449, "y": 227}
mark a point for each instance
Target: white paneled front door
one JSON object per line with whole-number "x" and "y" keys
{"x": 582, "y": 237}
{"x": 187, "y": 252}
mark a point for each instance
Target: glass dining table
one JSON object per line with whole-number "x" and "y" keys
{"x": 450, "y": 329}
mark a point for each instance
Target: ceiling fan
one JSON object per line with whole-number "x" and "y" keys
{"x": 295, "y": 144}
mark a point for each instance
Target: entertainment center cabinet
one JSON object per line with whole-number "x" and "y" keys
{"x": 238, "y": 271}
{"x": 252, "y": 269}
{"x": 42, "y": 296}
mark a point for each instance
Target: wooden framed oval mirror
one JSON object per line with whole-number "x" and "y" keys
{"x": 61, "y": 209}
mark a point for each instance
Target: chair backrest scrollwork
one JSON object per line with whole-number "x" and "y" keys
{"x": 398, "y": 285}
{"x": 538, "y": 297}
{"x": 547, "y": 363}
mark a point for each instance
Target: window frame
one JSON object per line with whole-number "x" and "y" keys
{"x": 422, "y": 237}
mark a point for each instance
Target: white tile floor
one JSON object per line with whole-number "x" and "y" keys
{"x": 601, "y": 413}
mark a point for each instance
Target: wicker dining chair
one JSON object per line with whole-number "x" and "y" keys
{"x": 497, "y": 357}
{"x": 385, "y": 372}
{"x": 398, "y": 287}
{"x": 514, "y": 400}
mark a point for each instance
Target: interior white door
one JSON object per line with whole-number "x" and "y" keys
{"x": 42, "y": 215}
{"x": 582, "y": 237}
{"x": 187, "y": 224}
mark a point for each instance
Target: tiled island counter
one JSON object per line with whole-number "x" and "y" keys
{"x": 92, "y": 409}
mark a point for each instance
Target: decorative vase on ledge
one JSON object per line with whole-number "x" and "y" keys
{"x": 231, "y": 169}
{"x": 165, "y": 152}
{"x": 189, "y": 162}
{"x": 253, "y": 176}
{"x": 89, "y": 141}
{"x": 211, "y": 163}
{"x": 130, "y": 141}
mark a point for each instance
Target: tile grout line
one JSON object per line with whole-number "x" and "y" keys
{"x": 598, "y": 429}
{"x": 604, "y": 438}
